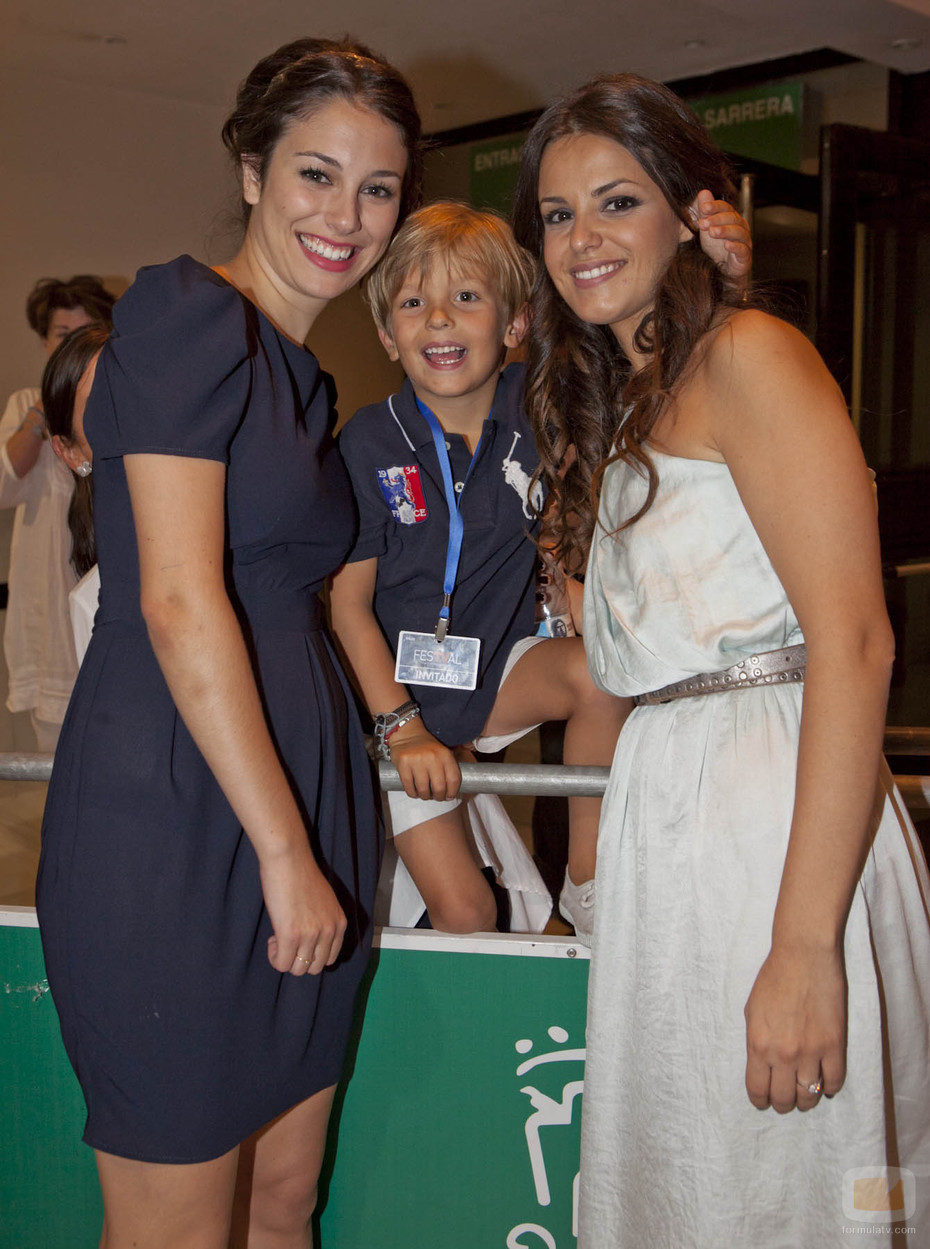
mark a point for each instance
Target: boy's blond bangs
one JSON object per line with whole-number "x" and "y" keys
{"x": 463, "y": 238}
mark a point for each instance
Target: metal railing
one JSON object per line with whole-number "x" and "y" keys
{"x": 519, "y": 778}
{"x": 477, "y": 778}
{"x": 537, "y": 779}
{"x": 579, "y": 782}
{"x": 907, "y": 741}
{"x": 21, "y": 766}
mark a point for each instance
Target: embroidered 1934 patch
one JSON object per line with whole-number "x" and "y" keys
{"x": 403, "y": 493}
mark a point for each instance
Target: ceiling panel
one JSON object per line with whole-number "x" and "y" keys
{"x": 467, "y": 62}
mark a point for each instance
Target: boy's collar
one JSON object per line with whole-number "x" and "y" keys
{"x": 406, "y": 405}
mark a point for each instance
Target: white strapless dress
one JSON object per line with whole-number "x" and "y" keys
{"x": 692, "y": 843}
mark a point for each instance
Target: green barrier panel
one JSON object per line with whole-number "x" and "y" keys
{"x": 457, "y": 1127}
{"x": 48, "y": 1183}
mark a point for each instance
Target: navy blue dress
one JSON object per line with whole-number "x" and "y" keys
{"x": 183, "y": 1037}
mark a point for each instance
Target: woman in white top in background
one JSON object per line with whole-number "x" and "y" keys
{"x": 37, "y": 640}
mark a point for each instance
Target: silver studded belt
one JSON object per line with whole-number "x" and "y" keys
{"x": 766, "y": 668}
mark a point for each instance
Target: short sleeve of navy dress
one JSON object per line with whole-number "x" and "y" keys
{"x": 184, "y": 1038}
{"x": 404, "y": 524}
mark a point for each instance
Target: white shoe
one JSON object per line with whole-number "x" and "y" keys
{"x": 576, "y": 906}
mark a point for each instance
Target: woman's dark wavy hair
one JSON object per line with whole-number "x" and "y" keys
{"x": 301, "y": 77}
{"x": 579, "y": 382}
{"x": 82, "y": 291}
{"x": 60, "y": 380}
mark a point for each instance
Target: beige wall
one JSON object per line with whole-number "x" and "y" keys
{"x": 97, "y": 182}
{"x": 103, "y": 182}
{"x": 345, "y": 341}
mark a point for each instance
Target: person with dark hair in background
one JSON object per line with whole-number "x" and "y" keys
{"x": 760, "y": 936}
{"x": 37, "y": 639}
{"x": 56, "y": 307}
{"x": 211, "y": 844}
{"x": 66, "y": 385}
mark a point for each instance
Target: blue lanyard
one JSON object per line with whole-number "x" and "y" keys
{"x": 456, "y": 524}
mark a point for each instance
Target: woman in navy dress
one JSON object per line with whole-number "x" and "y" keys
{"x": 210, "y": 846}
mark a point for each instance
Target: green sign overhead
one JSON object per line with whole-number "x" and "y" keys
{"x": 494, "y": 166}
{"x": 765, "y": 123}
{"x": 761, "y": 122}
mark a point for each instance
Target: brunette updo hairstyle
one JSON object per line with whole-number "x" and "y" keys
{"x": 60, "y": 380}
{"x": 579, "y": 382}
{"x": 301, "y": 77}
{"x": 82, "y": 291}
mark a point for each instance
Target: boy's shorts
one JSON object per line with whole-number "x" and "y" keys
{"x": 405, "y": 812}
{"x": 499, "y": 847}
{"x": 488, "y": 745}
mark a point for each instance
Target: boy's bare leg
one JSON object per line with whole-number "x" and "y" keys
{"x": 552, "y": 682}
{"x": 440, "y": 856}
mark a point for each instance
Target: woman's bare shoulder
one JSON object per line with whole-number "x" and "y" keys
{"x": 761, "y": 374}
{"x": 749, "y": 340}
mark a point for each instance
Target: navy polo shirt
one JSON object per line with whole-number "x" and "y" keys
{"x": 404, "y": 524}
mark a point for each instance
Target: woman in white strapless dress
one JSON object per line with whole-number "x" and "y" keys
{"x": 761, "y": 939}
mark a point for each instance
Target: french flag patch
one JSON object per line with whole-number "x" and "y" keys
{"x": 403, "y": 493}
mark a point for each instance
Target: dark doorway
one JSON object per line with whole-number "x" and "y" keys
{"x": 873, "y": 329}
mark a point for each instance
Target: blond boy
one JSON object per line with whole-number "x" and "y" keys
{"x": 449, "y": 301}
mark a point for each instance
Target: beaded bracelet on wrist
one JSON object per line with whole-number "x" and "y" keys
{"x": 390, "y": 722}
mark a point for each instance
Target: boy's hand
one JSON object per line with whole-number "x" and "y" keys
{"x": 427, "y": 768}
{"x": 724, "y": 235}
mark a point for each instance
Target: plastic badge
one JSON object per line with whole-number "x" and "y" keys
{"x": 421, "y": 660}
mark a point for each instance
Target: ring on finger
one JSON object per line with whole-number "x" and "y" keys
{"x": 815, "y": 1087}
{"x": 300, "y": 958}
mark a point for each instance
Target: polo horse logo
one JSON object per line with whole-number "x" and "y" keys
{"x": 519, "y": 479}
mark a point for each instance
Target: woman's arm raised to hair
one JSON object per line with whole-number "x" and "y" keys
{"x": 178, "y": 507}
{"x": 782, "y": 427}
{"x": 15, "y": 485}
{"x": 24, "y": 445}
